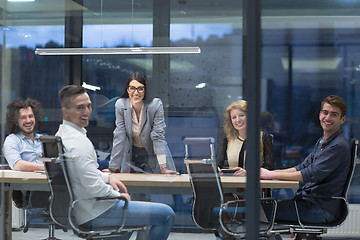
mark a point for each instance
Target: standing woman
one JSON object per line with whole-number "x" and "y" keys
{"x": 232, "y": 151}
{"x": 139, "y": 137}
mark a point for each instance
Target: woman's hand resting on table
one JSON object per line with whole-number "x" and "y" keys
{"x": 167, "y": 171}
{"x": 112, "y": 170}
{"x": 239, "y": 171}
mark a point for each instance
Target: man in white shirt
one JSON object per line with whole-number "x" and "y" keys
{"x": 89, "y": 182}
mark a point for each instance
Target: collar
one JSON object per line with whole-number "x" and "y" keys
{"x": 323, "y": 142}
{"x": 241, "y": 139}
{"x": 70, "y": 124}
{"x": 142, "y": 106}
{"x": 23, "y": 137}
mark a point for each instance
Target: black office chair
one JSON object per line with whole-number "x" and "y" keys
{"x": 62, "y": 202}
{"x": 308, "y": 230}
{"x": 36, "y": 204}
{"x": 224, "y": 214}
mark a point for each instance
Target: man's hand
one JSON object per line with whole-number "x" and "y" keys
{"x": 289, "y": 174}
{"x": 117, "y": 184}
{"x": 126, "y": 195}
{"x": 23, "y": 165}
{"x": 265, "y": 174}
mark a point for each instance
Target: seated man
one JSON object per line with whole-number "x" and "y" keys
{"x": 324, "y": 171}
{"x": 22, "y": 148}
{"x": 89, "y": 182}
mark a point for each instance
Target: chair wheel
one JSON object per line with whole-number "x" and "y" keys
{"x": 26, "y": 228}
{"x": 60, "y": 227}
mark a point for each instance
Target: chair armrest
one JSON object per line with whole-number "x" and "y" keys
{"x": 301, "y": 196}
{"x": 239, "y": 201}
{"x": 72, "y": 205}
{"x": 119, "y": 198}
{"x": 237, "y": 215}
{"x": 126, "y": 202}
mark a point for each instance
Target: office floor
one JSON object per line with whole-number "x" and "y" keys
{"x": 41, "y": 233}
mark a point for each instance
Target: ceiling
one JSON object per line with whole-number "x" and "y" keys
{"x": 276, "y": 13}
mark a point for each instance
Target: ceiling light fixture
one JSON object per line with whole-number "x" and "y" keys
{"x": 200, "y": 85}
{"x": 133, "y": 50}
{"x": 90, "y": 87}
{"x": 130, "y": 50}
{"x": 21, "y": 0}
{"x": 312, "y": 64}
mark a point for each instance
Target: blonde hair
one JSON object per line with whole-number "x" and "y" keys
{"x": 229, "y": 129}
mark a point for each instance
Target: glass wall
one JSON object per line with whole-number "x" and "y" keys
{"x": 309, "y": 51}
{"x": 308, "y": 54}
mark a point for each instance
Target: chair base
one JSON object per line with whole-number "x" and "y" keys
{"x": 51, "y": 232}
{"x": 307, "y": 236}
{"x": 273, "y": 236}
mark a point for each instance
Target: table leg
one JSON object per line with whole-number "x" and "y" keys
{"x": 8, "y": 215}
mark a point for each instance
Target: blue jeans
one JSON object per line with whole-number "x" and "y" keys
{"x": 308, "y": 212}
{"x": 158, "y": 216}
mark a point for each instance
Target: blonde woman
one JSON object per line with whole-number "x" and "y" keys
{"x": 232, "y": 150}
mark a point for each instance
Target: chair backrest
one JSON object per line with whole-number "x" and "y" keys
{"x": 29, "y": 200}
{"x": 62, "y": 202}
{"x": 205, "y": 180}
{"x": 60, "y": 197}
{"x": 343, "y": 212}
{"x": 354, "y": 144}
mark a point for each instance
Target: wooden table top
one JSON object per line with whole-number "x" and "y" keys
{"x": 10, "y": 176}
{"x": 147, "y": 180}
{"x": 159, "y": 180}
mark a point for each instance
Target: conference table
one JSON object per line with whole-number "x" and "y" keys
{"x": 135, "y": 182}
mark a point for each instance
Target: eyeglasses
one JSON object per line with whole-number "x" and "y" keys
{"x": 139, "y": 89}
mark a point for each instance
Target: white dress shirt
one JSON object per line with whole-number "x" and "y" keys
{"x": 86, "y": 179}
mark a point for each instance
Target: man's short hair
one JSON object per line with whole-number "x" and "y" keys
{"x": 12, "y": 114}
{"x": 336, "y": 101}
{"x": 69, "y": 91}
